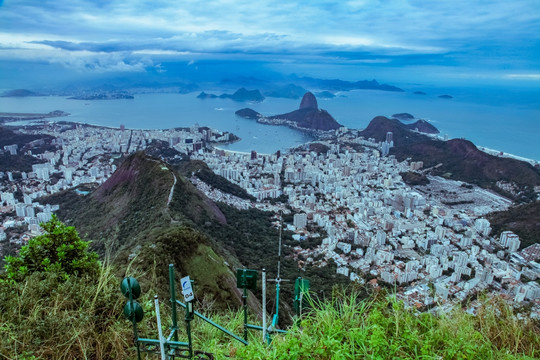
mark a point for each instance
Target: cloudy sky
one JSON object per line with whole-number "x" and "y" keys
{"x": 491, "y": 39}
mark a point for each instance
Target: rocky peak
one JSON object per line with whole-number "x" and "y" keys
{"x": 309, "y": 101}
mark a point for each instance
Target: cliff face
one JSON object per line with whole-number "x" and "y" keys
{"x": 309, "y": 102}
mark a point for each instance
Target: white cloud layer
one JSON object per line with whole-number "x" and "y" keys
{"x": 109, "y": 34}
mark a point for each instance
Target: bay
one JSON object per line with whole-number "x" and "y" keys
{"x": 496, "y": 118}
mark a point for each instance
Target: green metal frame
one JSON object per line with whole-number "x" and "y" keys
{"x": 246, "y": 278}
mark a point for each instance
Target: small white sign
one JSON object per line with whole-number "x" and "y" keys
{"x": 187, "y": 291}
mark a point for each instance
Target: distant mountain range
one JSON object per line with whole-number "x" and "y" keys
{"x": 241, "y": 94}
{"x": 279, "y": 86}
{"x": 342, "y": 85}
{"x": 289, "y": 91}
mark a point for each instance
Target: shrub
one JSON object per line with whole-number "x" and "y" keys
{"x": 59, "y": 250}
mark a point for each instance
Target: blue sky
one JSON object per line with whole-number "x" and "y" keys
{"x": 472, "y": 39}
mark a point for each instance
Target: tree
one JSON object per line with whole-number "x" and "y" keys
{"x": 59, "y": 250}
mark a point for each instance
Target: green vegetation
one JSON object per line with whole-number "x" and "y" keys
{"x": 129, "y": 216}
{"x": 414, "y": 178}
{"x": 457, "y": 159}
{"x": 192, "y": 255}
{"x": 203, "y": 172}
{"x": 120, "y": 213}
{"x": 17, "y": 162}
{"x": 524, "y": 220}
{"x": 381, "y": 328}
{"x": 461, "y": 160}
{"x": 56, "y": 301}
{"x": 318, "y": 148}
{"x": 59, "y": 250}
{"x": 44, "y": 318}
{"x": 48, "y": 317}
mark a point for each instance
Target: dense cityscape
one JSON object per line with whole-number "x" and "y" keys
{"x": 430, "y": 242}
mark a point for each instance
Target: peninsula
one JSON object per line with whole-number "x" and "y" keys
{"x": 307, "y": 117}
{"x": 6, "y": 117}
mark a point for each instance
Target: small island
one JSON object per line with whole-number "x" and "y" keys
{"x": 419, "y": 93}
{"x": 248, "y": 113}
{"x": 403, "y": 116}
{"x": 445, "y": 96}
{"x": 325, "y": 95}
{"x": 204, "y": 95}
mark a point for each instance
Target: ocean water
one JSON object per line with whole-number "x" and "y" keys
{"x": 499, "y": 118}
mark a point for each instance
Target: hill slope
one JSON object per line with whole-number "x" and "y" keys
{"x": 130, "y": 216}
{"x": 524, "y": 220}
{"x": 460, "y": 159}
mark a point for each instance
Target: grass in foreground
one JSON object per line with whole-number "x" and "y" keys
{"x": 43, "y": 318}
{"x": 381, "y": 328}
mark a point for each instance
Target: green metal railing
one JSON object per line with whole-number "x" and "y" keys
{"x": 170, "y": 347}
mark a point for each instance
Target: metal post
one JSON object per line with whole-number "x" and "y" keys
{"x": 174, "y": 328}
{"x": 134, "y": 321}
{"x": 298, "y": 295}
{"x": 244, "y": 299}
{"x": 264, "y": 304}
{"x": 188, "y": 318}
{"x": 300, "y": 305}
{"x": 215, "y": 325}
{"x": 160, "y": 331}
{"x": 276, "y": 315}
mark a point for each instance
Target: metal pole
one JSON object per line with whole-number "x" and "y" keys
{"x": 189, "y": 309}
{"x": 214, "y": 324}
{"x": 300, "y": 305}
{"x": 244, "y": 299}
{"x": 264, "y": 304}
{"x": 134, "y": 321}
{"x": 279, "y": 248}
{"x": 160, "y": 331}
{"x": 276, "y": 315}
{"x": 278, "y": 278}
{"x": 174, "y": 328}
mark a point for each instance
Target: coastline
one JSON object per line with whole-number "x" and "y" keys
{"x": 490, "y": 151}
{"x": 507, "y": 155}
{"x": 238, "y": 152}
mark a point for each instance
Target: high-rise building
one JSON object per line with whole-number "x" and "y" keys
{"x": 300, "y": 221}
{"x": 11, "y": 148}
{"x": 20, "y": 210}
